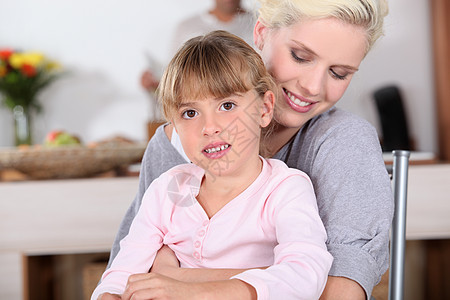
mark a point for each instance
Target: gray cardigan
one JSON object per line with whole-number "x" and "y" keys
{"x": 342, "y": 155}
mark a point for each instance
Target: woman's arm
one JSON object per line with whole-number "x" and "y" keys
{"x": 341, "y": 288}
{"x": 342, "y": 155}
{"x": 166, "y": 263}
{"x": 155, "y": 286}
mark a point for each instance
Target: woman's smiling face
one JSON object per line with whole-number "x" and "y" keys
{"x": 313, "y": 62}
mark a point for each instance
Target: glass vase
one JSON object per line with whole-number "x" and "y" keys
{"x": 22, "y": 125}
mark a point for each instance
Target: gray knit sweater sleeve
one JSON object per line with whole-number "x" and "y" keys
{"x": 159, "y": 157}
{"x": 342, "y": 155}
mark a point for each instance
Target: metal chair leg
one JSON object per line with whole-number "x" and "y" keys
{"x": 400, "y": 184}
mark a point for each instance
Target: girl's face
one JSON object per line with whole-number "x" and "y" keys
{"x": 312, "y": 62}
{"x": 222, "y": 135}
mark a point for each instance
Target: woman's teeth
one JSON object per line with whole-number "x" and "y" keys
{"x": 296, "y": 100}
{"x": 216, "y": 149}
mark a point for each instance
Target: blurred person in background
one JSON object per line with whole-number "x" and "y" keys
{"x": 226, "y": 15}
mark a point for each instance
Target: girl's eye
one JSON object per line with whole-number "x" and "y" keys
{"x": 297, "y": 58}
{"x": 338, "y": 76}
{"x": 189, "y": 114}
{"x": 227, "y": 106}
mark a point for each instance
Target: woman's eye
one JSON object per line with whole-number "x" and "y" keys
{"x": 227, "y": 106}
{"x": 189, "y": 114}
{"x": 338, "y": 76}
{"x": 297, "y": 58}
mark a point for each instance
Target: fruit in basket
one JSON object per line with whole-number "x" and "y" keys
{"x": 61, "y": 138}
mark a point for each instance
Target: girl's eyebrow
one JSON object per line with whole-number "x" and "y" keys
{"x": 193, "y": 103}
{"x": 186, "y": 104}
{"x": 311, "y": 52}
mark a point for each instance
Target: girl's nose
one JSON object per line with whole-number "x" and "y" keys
{"x": 211, "y": 126}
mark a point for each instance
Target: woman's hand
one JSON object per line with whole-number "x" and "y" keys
{"x": 108, "y": 296}
{"x": 166, "y": 263}
{"x": 156, "y": 286}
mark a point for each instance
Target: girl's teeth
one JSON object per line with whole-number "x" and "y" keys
{"x": 217, "y": 149}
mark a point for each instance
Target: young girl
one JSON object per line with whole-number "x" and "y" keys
{"x": 230, "y": 208}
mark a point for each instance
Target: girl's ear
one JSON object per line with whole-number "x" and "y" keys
{"x": 259, "y": 33}
{"x": 268, "y": 106}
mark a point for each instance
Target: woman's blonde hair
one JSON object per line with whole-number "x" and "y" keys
{"x": 366, "y": 13}
{"x": 218, "y": 64}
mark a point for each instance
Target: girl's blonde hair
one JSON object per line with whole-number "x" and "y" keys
{"x": 366, "y": 13}
{"x": 218, "y": 64}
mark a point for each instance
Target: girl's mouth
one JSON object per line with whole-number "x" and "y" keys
{"x": 297, "y": 103}
{"x": 216, "y": 150}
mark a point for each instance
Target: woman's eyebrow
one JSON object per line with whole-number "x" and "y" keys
{"x": 304, "y": 47}
{"x": 350, "y": 68}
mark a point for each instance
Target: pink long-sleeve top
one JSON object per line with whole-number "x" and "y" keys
{"x": 274, "y": 222}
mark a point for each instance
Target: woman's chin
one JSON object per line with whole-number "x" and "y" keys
{"x": 289, "y": 119}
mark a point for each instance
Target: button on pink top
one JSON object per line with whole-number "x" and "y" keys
{"x": 274, "y": 222}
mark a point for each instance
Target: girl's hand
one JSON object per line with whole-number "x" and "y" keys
{"x": 156, "y": 286}
{"x": 108, "y": 296}
{"x": 166, "y": 262}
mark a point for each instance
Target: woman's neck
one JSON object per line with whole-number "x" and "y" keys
{"x": 277, "y": 137}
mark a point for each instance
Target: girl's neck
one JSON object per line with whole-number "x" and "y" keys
{"x": 217, "y": 191}
{"x": 233, "y": 184}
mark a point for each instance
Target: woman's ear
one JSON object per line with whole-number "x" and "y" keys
{"x": 259, "y": 33}
{"x": 268, "y": 107}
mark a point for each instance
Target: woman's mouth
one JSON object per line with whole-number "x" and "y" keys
{"x": 216, "y": 150}
{"x": 298, "y": 103}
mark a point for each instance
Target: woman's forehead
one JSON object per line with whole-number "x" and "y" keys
{"x": 329, "y": 38}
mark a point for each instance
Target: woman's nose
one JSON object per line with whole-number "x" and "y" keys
{"x": 312, "y": 82}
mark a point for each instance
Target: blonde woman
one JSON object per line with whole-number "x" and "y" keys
{"x": 312, "y": 49}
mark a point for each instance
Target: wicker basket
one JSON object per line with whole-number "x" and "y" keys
{"x": 70, "y": 161}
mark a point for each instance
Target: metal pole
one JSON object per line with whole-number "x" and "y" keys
{"x": 400, "y": 184}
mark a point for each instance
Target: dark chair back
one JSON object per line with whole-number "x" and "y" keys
{"x": 394, "y": 125}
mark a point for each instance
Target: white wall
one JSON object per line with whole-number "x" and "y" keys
{"x": 402, "y": 57}
{"x": 103, "y": 45}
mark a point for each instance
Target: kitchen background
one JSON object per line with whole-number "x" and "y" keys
{"x": 104, "y": 46}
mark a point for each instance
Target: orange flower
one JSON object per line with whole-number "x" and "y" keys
{"x": 28, "y": 70}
